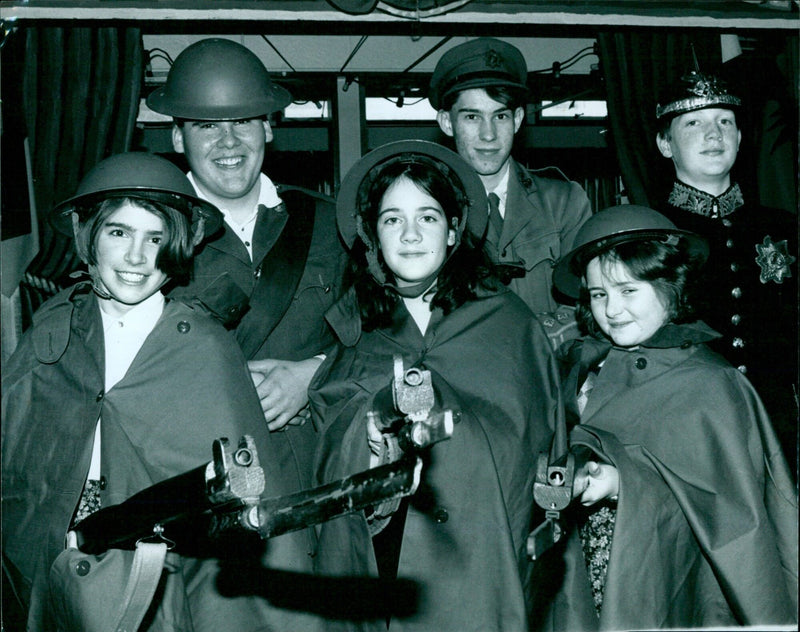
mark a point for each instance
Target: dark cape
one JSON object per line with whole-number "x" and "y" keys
{"x": 464, "y": 538}
{"x": 706, "y": 522}
{"x": 187, "y": 386}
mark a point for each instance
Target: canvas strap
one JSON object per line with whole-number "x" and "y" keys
{"x": 148, "y": 562}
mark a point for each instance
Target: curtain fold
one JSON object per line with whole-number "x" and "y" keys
{"x": 636, "y": 66}
{"x": 81, "y": 90}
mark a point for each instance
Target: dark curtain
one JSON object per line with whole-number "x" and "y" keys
{"x": 766, "y": 77}
{"x": 636, "y": 66}
{"x": 81, "y": 91}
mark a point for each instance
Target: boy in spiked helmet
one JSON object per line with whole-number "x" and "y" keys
{"x": 749, "y": 291}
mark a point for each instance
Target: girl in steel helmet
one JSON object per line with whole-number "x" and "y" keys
{"x": 422, "y": 291}
{"x": 113, "y": 389}
{"x": 463, "y": 272}
{"x": 686, "y": 502}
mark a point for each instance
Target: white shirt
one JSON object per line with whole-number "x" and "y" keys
{"x": 267, "y": 195}
{"x": 123, "y": 337}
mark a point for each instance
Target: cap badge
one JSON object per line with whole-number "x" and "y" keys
{"x": 774, "y": 260}
{"x": 705, "y": 86}
{"x": 493, "y": 59}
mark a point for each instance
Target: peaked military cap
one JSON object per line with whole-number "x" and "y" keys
{"x": 479, "y": 63}
{"x": 696, "y": 91}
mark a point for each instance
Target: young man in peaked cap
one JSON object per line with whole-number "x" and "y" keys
{"x": 479, "y": 89}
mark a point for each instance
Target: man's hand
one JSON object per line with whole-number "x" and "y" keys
{"x": 282, "y": 387}
{"x": 596, "y": 481}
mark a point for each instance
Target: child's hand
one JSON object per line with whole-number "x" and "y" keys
{"x": 596, "y": 481}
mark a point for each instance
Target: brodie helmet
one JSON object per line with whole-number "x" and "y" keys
{"x": 218, "y": 80}
{"x": 613, "y": 226}
{"x": 136, "y": 175}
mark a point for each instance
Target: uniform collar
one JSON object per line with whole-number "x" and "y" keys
{"x": 267, "y": 194}
{"x": 701, "y": 203}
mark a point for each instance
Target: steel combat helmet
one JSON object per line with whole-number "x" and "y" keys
{"x": 611, "y": 227}
{"x": 218, "y": 80}
{"x": 138, "y": 175}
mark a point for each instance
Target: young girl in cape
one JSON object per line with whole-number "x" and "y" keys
{"x": 115, "y": 388}
{"x": 420, "y": 289}
{"x": 691, "y": 512}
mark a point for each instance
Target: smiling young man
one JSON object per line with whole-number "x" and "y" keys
{"x": 749, "y": 288}
{"x": 277, "y": 265}
{"x": 479, "y": 90}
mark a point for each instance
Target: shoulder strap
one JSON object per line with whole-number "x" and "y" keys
{"x": 280, "y": 273}
{"x": 148, "y": 562}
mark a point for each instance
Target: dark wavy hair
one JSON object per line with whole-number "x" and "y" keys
{"x": 671, "y": 270}
{"x": 509, "y": 96}
{"x": 466, "y": 269}
{"x": 175, "y": 254}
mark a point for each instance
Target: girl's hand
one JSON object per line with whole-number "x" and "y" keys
{"x": 596, "y": 481}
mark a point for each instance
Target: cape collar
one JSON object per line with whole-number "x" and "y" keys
{"x": 701, "y": 203}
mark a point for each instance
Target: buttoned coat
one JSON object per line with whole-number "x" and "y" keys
{"x": 464, "y": 538}
{"x": 158, "y": 421}
{"x": 706, "y": 522}
{"x": 276, "y": 302}
{"x": 749, "y": 294}
{"x": 542, "y": 217}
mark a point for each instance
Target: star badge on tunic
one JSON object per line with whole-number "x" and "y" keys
{"x": 774, "y": 260}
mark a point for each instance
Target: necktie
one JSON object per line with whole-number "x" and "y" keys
{"x": 495, "y": 222}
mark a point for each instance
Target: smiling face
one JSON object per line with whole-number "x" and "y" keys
{"x": 225, "y": 156}
{"x": 703, "y": 146}
{"x": 483, "y": 130}
{"x": 413, "y": 232}
{"x": 627, "y": 310}
{"x": 126, "y": 248}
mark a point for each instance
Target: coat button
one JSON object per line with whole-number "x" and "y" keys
{"x": 734, "y": 267}
{"x": 736, "y": 319}
{"x": 727, "y": 223}
{"x": 736, "y": 292}
{"x": 641, "y": 363}
{"x": 100, "y": 396}
{"x": 184, "y": 327}
{"x": 729, "y": 243}
{"x": 742, "y": 369}
{"x": 440, "y": 515}
{"x": 82, "y": 568}
{"x": 737, "y": 343}
{"x": 103, "y": 482}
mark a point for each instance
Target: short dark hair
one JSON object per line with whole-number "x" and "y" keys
{"x": 512, "y": 98}
{"x": 466, "y": 268}
{"x": 671, "y": 270}
{"x": 176, "y": 251}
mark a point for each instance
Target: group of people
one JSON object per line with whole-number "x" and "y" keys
{"x": 219, "y": 304}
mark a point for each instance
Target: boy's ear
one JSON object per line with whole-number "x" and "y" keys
{"x": 177, "y": 139}
{"x": 445, "y": 122}
{"x": 664, "y": 146}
